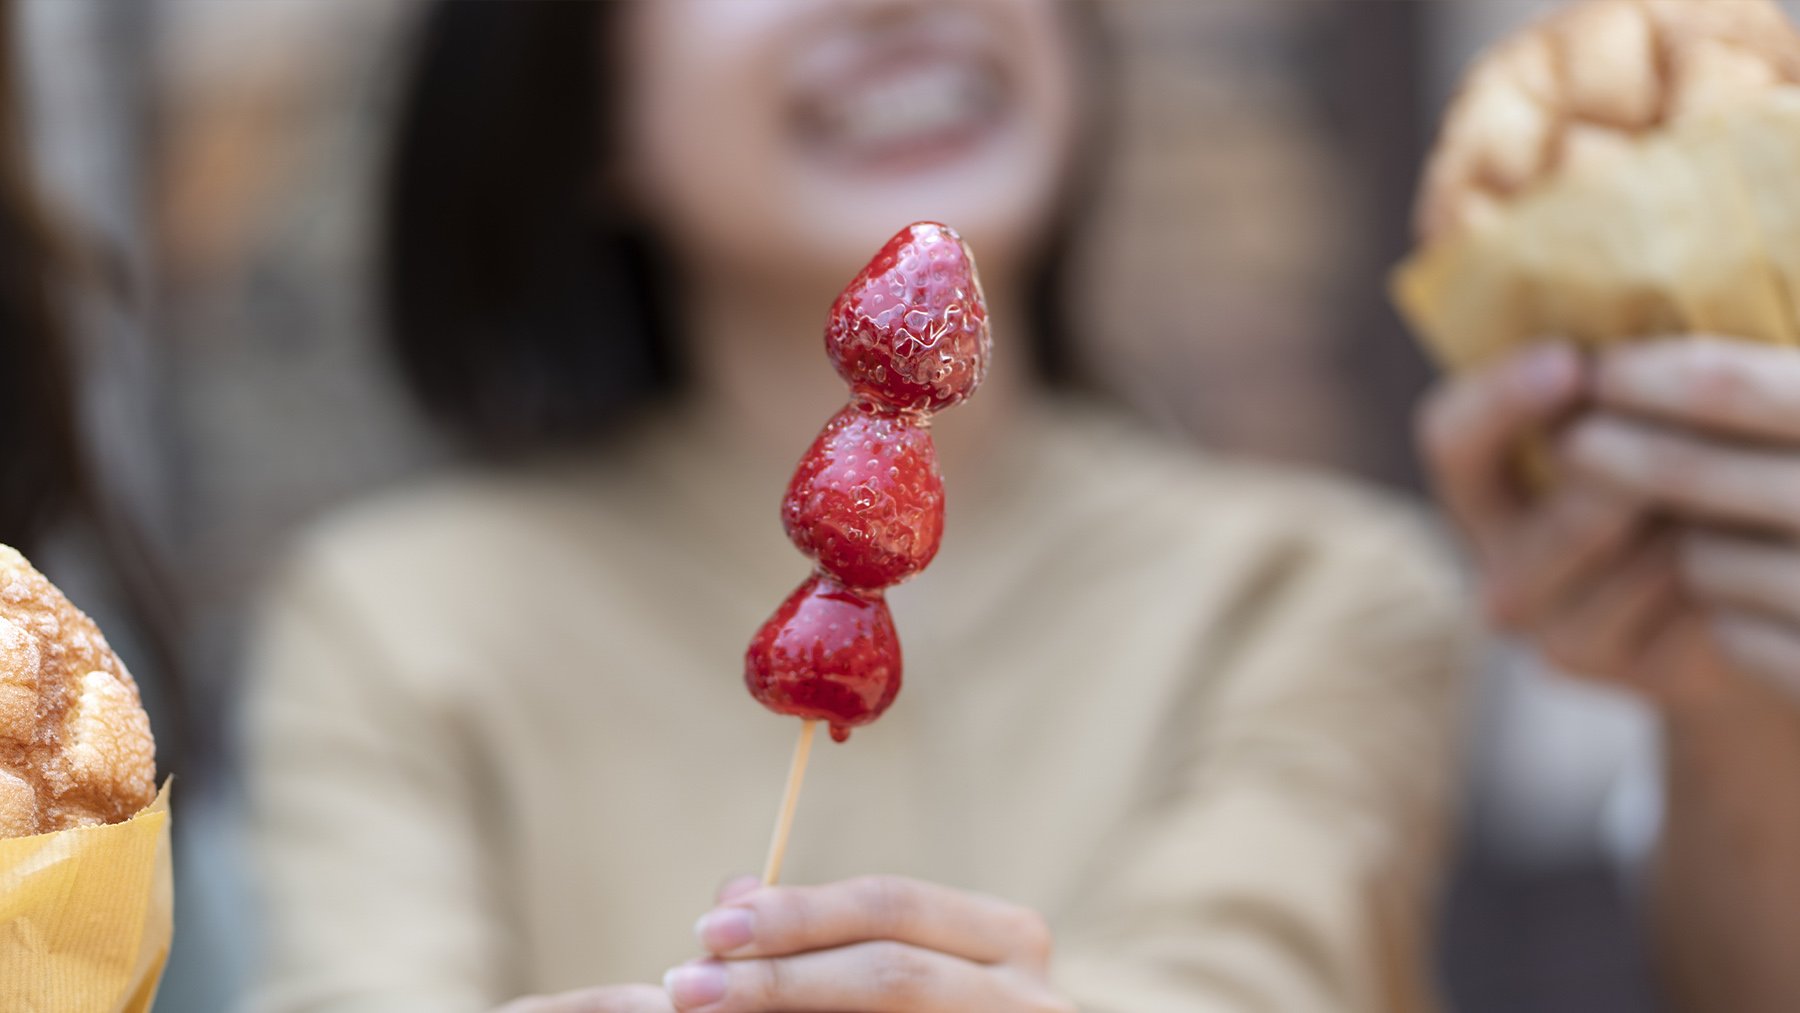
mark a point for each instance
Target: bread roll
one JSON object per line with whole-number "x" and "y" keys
{"x": 75, "y": 744}
{"x": 1622, "y": 170}
{"x": 1573, "y": 92}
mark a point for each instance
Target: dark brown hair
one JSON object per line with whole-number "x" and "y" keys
{"x": 520, "y": 310}
{"x": 42, "y": 476}
{"x": 45, "y": 474}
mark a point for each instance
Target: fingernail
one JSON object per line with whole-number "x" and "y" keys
{"x": 698, "y": 984}
{"x": 726, "y": 929}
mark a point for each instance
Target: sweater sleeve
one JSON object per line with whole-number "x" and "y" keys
{"x": 365, "y": 818}
{"x": 1290, "y": 864}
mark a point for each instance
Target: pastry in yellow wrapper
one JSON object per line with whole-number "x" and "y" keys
{"x": 86, "y": 893}
{"x": 86, "y": 916}
{"x": 1626, "y": 168}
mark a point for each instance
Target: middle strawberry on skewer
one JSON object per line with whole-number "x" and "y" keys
{"x": 910, "y": 336}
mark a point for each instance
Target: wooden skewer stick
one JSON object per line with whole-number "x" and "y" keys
{"x": 785, "y": 822}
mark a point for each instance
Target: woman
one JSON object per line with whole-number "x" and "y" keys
{"x": 1191, "y": 719}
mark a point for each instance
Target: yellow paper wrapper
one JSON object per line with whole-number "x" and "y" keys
{"x": 1695, "y": 230}
{"x": 86, "y": 916}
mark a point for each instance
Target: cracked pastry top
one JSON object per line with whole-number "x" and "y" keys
{"x": 1573, "y": 92}
{"x": 75, "y": 744}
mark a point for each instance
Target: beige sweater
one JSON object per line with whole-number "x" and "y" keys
{"x": 1202, "y": 715}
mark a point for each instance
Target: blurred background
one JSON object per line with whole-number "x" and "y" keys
{"x": 222, "y": 156}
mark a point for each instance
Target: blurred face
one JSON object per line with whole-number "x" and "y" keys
{"x": 784, "y": 140}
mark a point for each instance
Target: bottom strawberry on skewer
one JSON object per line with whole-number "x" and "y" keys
{"x": 827, "y": 654}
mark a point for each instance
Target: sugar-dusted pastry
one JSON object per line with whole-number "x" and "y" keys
{"x": 1575, "y": 91}
{"x": 1620, "y": 169}
{"x": 75, "y": 744}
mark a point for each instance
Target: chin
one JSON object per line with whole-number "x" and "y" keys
{"x": 939, "y": 117}
{"x": 1000, "y": 208}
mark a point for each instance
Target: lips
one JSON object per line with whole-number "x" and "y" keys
{"x": 921, "y": 105}
{"x": 898, "y": 97}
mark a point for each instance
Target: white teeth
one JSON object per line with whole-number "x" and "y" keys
{"x": 914, "y": 104}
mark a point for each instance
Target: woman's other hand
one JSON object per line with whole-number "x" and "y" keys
{"x": 1666, "y": 553}
{"x": 1707, "y": 431}
{"x": 1579, "y": 570}
{"x": 875, "y": 943}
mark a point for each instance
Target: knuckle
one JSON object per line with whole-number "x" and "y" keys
{"x": 1747, "y": 644}
{"x": 1677, "y": 467}
{"x": 766, "y": 982}
{"x": 1592, "y": 517}
{"x": 1576, "y": 439}
{"x": 1716, "y": 384}
{"x": 783, "y": 917}
{"x": 1727, "y": 627}
{"x": 1584, "y": 447}
{"x": 888, "y": 899}
{"x": 1698, "y": 559}
{"x": 898, "y": 971}
{"x": 1034, "y": 937}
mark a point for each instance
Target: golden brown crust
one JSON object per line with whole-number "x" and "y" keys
{"x": 75, "y": 745}
{"x": 1572, "y": 92}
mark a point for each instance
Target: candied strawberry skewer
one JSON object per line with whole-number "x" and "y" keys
{"x": 866, "y": 504}
{"x": 909, "y": 334}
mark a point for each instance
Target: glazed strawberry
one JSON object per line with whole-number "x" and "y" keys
{"x": 828, "y": 653}
{"x": 911, "y": 332}
{"x": 867, "y": 502}
{"x": 910, "y": 335}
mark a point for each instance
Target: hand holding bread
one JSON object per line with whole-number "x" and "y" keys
{"x": 1607, "y": 186}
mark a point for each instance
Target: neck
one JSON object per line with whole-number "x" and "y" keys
{"x": 760, "y": 375}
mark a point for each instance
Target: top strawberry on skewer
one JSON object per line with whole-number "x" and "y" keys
{"x": 910, "y": 332}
